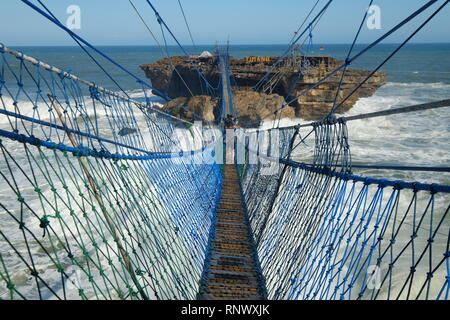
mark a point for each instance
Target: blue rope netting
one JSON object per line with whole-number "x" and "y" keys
{"x": 325, "y": 233}
{"x": 101, "y": 197}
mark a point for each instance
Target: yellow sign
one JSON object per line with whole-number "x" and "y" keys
{"x": 257, "y": 59}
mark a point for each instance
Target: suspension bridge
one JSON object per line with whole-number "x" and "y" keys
{"x": 106, "y": 197}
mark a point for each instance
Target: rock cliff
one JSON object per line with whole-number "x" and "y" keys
{"x": 180, "y": 79}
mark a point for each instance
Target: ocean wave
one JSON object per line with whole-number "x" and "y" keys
{"x": 419, "y": 138}
{"x": 433, "y": 85}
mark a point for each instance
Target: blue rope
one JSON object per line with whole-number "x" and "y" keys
{"x": 399, "y": 184}
{"x": 71, "y": 33}
{"x": 163, "y": 23}
{"x": 87, "y": 152}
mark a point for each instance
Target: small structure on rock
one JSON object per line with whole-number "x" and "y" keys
{"x": 206, "y": 54}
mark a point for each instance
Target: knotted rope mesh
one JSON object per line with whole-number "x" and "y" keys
{"x": 325, "y": 233}
{"x": 101, "y": 197}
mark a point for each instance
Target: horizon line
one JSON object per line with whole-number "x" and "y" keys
{"x": 212, "y": 45}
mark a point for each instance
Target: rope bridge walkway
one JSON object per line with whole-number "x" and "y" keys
{"x": 227, "y": 94}
{"x": 232, "y": 267}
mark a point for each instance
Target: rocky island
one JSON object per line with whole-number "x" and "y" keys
{"x": 179, "y": 78}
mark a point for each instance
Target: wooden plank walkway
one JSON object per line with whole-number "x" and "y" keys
{"x": 232, "y": 273}
{"x": 227, "y": 94}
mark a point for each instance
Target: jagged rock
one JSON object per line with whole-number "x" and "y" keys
{"x": 313, "y": 105}
{"x": 320, "y": 100}
{"x": 202, "y": 106}
{"x": 165, "y": 75}
{"x": 253, "y": 107}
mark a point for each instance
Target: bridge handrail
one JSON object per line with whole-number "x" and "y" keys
{"x": 347, "y": 176}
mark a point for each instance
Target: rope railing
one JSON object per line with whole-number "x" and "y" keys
{"x": 388, "y": 112}
{"x": 82, "y": 42}
{"x": 102, "y": 197}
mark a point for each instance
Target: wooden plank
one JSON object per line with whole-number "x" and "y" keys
{"x": 232, "y": 272}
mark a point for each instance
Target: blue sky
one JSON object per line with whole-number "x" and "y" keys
{"x": 106, "y": 22}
